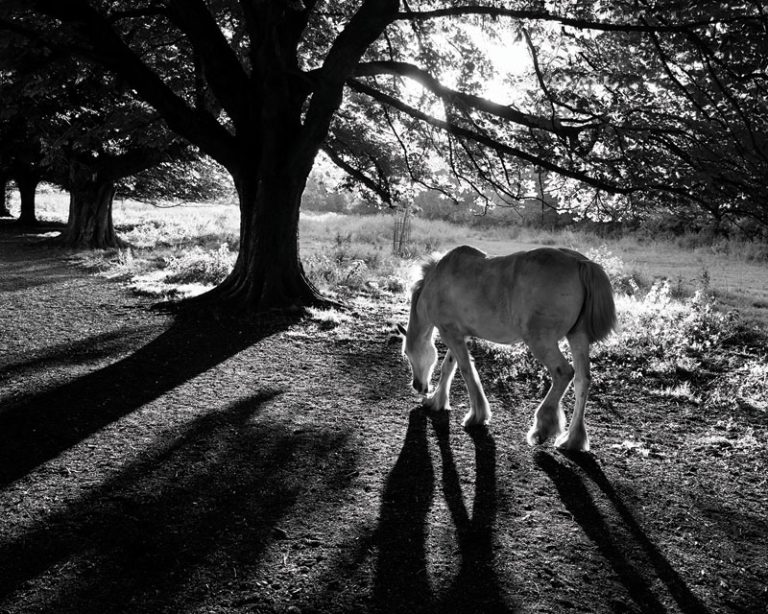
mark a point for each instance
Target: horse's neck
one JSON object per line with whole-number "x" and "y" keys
{"x": 419, "y": 323}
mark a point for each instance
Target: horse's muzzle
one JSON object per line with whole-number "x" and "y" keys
{"x": 419, "y": 386}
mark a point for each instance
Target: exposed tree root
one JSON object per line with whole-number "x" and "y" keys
{"x": 237, "y": 299}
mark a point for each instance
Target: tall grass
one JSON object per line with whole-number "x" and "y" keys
{"x": 347, "y": 254}
{"x": 677, "y": 338}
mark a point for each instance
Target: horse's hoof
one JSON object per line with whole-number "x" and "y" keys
{"x": 431, "y": 404}
{"x": 534, "y": 438}
{"x": 572, "y": 443}
{"x": 472, "y": 419}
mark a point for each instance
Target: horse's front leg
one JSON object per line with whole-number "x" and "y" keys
{"x": 440, "y": 399}
{"x": 479, "y": 410}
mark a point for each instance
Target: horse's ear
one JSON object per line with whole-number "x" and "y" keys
{"x": 401, "y": 329}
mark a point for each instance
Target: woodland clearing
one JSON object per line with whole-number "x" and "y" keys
{"x": 153, "y": 464}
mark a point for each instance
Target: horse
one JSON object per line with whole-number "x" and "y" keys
{"x": 538, "y": 297}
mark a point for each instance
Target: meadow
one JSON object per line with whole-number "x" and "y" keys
{"x": 684, "y": 302}
{"x": 203, "y": 465}
{"x": 184, "y": 249}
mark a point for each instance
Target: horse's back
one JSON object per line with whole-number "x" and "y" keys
{"x": 506, "y": 298}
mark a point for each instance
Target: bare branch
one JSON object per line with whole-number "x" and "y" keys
{"x": 574, "y": 22}
{"x": 383, "y": 193}
{"x": 461, "y": 99}
{"x": 487, "y": 141}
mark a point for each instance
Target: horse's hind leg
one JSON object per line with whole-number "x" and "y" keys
{"x": 479, "y": 410}
{"x": 441, "y": 397}
{"x": 549, "y": 419}
{"x": 575, "y": 438}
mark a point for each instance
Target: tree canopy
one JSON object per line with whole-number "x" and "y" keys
{"x": 85, "y": 138}
{"x": 625, "y": 105}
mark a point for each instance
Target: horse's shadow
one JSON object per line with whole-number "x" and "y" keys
{"x": 623, "y": 557}
{"x": 402, "y": 582}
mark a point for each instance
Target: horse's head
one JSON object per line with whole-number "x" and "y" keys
{"x": 420, "y": 350}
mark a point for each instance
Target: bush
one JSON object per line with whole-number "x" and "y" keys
{"x": 198, "y": 266}
{"x": 622, "y": 281}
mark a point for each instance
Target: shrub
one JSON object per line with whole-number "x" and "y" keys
{"x": 621, "y": 280}
{"x": 199, "y": 266}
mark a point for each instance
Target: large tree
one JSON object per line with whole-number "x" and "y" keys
{"x": 263, "y": 85}
{"x": 97, "y": 146}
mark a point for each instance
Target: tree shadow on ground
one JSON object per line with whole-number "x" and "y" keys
{"x": 94, "y": 348}
{"x": 30, "y": 262}
{"x": 402, "y": 583}
{"x": 179, "y": 525}
{"x": 38, "y": 427}
{"x": 12, "y": 226}
{"x": 623, "y": 557}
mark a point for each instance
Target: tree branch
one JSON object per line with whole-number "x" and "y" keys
{"x": 486, "y": 140}
{"x": 404, "y": 69}
{"x": 574, "y": 22}
{"x": 109, "y": 50}
{"x": 361, "y": 31}
{"x": 415, "y": 177}
{"x": 116, "y": 16}
{"x": 221, "y": 67}
{"x": 358, "y": 175}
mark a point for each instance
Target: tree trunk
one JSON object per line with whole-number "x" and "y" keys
{"x": 26, "y": 182}
{"x": 270, "y": 180}
{"x": 4, "y": 210}
{"x": 268, "y": 274}
{"x": 90, "y": 213}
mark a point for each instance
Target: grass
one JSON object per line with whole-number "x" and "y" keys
{"x": 186, "y": 248}
{"x": 686, "y": 308}
{"x": 303, "y": 428}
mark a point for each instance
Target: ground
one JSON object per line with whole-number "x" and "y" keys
{"x": 154, "y": 464}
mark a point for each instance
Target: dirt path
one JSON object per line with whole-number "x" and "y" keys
{"x": 154, "y": 465}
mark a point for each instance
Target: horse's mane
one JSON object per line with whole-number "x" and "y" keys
{"x": 426, "y": 268}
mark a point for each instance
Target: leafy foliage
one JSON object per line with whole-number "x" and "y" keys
{"x": 640, "y": 100}
{"x": 624, "y": 108}
{"x": 192, "y": 178}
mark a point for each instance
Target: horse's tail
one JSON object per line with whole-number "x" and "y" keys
{"x": 598, "y": 315}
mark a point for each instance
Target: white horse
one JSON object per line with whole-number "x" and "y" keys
{"x": 539, "y": 297}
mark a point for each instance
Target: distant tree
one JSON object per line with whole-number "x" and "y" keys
{"x": 263, "y": 86}
{"x": 27, "y": 174}
{"x": 86, "y": 138}
{"x": 23, "y": 114}
{"x": 21, "y": 161}
{"x": 98, "y": 146}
